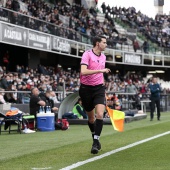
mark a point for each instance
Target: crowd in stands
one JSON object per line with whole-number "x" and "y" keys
{"x": 82, "y": 23}
{"x": 51, "y": 78}
{"x": 154, "y": 29}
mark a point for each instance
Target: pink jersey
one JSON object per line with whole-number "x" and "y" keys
{"x": 93, "y": 62}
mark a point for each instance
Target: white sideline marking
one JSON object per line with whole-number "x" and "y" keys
{"x": 113, "y": 151}
{"x": 41, "y": 168}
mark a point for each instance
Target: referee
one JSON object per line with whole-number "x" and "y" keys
{"x": 92, "y": 89}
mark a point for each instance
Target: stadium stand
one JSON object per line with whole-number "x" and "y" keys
{"x": 83, "y": 25}
{"x": 69, "y": 21}
{"x": 80, "y": 24}
{"x": 155, "y": 30}
{"x": 47, "y": 78}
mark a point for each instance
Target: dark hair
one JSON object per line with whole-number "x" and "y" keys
{"x": 79, "y": 99}
{"x": 33, "y": 89}
{"x": 98, "y": 39}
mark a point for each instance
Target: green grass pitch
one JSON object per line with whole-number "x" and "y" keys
{"x": 58, "y": 149}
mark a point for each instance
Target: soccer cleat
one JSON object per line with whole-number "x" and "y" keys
{"x": 28, "y": 131}
{"x": 99, "y": 146}
{"x": 94, "y": 149}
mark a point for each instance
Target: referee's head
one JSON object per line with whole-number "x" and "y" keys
{"x": 99, "y": 43}
{"x": 98, "y": 39}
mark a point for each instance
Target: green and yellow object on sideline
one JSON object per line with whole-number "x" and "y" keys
{"x": 117, "y": 119}
{"x": 76, "y": 112}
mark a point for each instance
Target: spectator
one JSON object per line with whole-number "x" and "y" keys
{"x": 103, "y": 6}
{"x": 135, "y": 45}
{"x": 15, "y": 5}
{"x": 54, "y": 97}
{"x": 155, "y": 90}
{"x": 131, "y": 88}
{"x": 48, "y": 99}
{"x": 142, "y": 88}
{"x": 35, "y": 102}
{"x": 110, "y": 103}
{"x": 79, "y": 110}
{"x": 138, "y": 101}
{"x": 5, "y": 82}
{"x": 96, "y": 2}
{"x": 145, "y": 47}
{"x": 8, "y": 4}
{"x": 6, "y": 60}
{"x": 116, "y": 102}
{"x": 2, "y": 100}
{"x": 23, "y": 98}
{"x": 11, "y": 97}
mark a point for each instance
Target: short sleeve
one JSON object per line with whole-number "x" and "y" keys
{"x": 85, "y": 58}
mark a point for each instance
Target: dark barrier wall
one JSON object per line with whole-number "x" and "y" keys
{"x": 25, "y": 107}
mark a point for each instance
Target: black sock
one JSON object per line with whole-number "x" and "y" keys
{"x": 91, "y": 127}
{"x": 98, "y": 128}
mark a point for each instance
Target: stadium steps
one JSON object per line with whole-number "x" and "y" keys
{"x": 123, "y": 31}
{"x": 100, "y": 17}
{"x": 88, "y": 3}
{"x": 120, "y": 29}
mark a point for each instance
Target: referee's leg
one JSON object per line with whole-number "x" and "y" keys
{"x": 91, "y": 122}
{"x": 99, "y": 111}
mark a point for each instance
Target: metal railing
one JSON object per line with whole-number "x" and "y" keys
{"x": 127, "y": 100}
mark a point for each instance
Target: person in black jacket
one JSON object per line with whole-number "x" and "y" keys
{"x": 15, "y": 5}
{"x": 35, "y": 101}
{"x": 155, "y": 90}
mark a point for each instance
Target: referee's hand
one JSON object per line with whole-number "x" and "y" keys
{"x": 106, "y": 70}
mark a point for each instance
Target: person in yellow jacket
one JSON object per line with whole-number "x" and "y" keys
{"x": 79, "y": 110}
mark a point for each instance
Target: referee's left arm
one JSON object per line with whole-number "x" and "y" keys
{"x": 85, "y": 71}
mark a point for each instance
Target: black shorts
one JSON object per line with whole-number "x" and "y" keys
{"x": 91, "y": 96}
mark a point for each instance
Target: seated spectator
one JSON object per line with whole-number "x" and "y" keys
{"x": 5, "y": 82}
{"x": 116, "y": 102}
{"x": 54, "y": 97}
{"x": 48, "y": 99}
{"x": 35, "y": 102}
{"x": 2, "y": 100}
{"x": 23, "y": 98}
{"x": 11, "y": 97}
{"x": 138, "y": 101}
{"x": 110, "y": 103}
{"x": 79, "y": 110}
